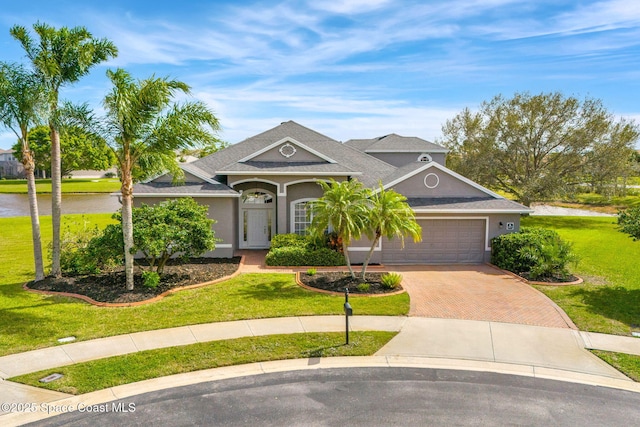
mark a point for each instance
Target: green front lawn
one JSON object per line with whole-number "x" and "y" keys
{"x": 609, "y": 299}
{"x": 31, "y": 321}
{"x": 628, "y": 364}
{"x": 113, "y": 371}
{"x": 80, "y": 185}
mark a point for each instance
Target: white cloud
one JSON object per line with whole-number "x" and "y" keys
{"x": 348, "y": 7}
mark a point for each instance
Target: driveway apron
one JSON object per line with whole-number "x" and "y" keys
{"x": 477, "y": 292}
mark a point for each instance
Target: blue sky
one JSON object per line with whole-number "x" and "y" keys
{"x": 354, "y": 68}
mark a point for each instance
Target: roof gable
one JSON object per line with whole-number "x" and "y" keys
{"x": 287, "y": 150}
{"x": 435, "y": 180}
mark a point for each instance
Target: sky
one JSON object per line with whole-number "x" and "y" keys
{"x": 353, "y": 68}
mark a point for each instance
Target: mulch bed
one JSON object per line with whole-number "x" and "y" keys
{"x": 110, "y": 286}
{"x": 338, "y": 281}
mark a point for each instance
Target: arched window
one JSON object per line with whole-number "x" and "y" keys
{"x": 256, "y": 197}
{"x": 424, "y": 157}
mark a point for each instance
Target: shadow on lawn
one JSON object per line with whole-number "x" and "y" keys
{"x": 21, "y": 318}
{"x": 322, "y": 351}
{"x": 612, "y": 302}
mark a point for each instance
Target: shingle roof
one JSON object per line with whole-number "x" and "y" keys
{"x": 396, "y": 143}
{"x": 488, "y": 204}
{"x": 288, "y": 167}
{"x": 348, "y": 158}
{"x": 151, "y": 189}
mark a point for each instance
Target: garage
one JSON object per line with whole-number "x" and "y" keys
{"x": 444, "y": 241}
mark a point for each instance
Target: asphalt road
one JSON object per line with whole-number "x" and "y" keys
{"x": 370, "y": 397}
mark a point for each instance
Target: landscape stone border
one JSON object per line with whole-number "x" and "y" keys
{"x": 532, "y": 282}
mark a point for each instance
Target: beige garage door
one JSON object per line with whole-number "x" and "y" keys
{"x": 444, "y": 241}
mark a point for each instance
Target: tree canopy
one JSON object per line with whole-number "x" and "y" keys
{"x": 60, "y": 57}
{"x": 538, "y": 146}
{"x": 145, "y": 127}
{"x": 390, "y": 216}
{"x": 22, "y": 105}
{"x": 79, "y": 150}
{"x": 344, "y": 207}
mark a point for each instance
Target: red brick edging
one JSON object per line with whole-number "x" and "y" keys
{"x": 137, "y": 303}
{"x": 322, "y": 291}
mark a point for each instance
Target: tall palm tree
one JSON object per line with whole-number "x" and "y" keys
{"x": 390, "y": 216}
{"x": 60, "y": 57}
{"x": 22, "y": 105}
{"x": 343, "y": 207}
{"x": 144, "y": 128}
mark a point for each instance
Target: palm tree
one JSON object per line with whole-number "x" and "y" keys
{"x": 60, "y": 57}
{"x": 22, "y": 104}
{"x": 144, "y": 128}
{"x": 390, "y": 216}
{"x": 344, "y": 207}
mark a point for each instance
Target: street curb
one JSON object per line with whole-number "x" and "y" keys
{"x": 130, "y": 390}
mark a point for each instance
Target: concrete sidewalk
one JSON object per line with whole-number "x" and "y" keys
{"x": 557, "y": 353}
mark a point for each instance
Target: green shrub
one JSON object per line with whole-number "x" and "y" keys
{"x": 90, "y": 251}
{"x": 629, "y": 222}
{"x": 299, "y": 256}
{"x": 289, "y": 240}
{"x": 363, "y": 287}
{"x": 390, "y": 280}
{"x": 151, "y": 279}
{"x": 536, "y": 251}
{"x": 75, "y": 258}
{"x": 311, "y": 272}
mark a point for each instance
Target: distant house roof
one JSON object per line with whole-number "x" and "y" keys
{"x": 394, "y": 143}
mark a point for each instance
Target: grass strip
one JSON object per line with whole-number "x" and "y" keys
{"x": 628, "y": 364}
{"x": 113, "y": 371}
{"x": 76, "y": 185}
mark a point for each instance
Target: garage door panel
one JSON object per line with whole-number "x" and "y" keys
{"x": 444, "y": 241}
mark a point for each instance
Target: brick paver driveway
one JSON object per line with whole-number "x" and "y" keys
{"x": 478, "y": 292}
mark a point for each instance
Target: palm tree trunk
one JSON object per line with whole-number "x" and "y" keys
{"x": 345, "y": 252}
{"x": 127, "y": 225}
{"x": 56, "y": 201}
{"x": 27, "y": 161}
{"x": 368, "y": 259}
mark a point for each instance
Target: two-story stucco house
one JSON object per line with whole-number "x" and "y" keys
{"x": 260, "y": 187}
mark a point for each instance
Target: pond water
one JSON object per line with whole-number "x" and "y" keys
{"x": 18, "y": 204}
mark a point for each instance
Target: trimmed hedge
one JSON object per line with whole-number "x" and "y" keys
{"x": 289, "y": 240}
{"x": 537, "y": 252}
{"x": 301, "y": 256}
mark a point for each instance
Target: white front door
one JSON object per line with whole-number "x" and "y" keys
{"x": 258, "y": 227}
